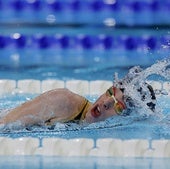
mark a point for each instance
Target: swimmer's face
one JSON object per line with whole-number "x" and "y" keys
{"x": 108, "y": 104}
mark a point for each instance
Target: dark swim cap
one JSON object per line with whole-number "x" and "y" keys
{"x": 144, "y": 90}
{"x": 150, "y": 104}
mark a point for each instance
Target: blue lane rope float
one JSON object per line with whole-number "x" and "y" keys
{"x": 3, "y": 41}
{"x": 74, "y": 10}
{"x": 138, "y": 6}
{"x": 43, "y": 41}
{"x": 95, "y": 5}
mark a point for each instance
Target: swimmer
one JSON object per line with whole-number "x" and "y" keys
{"x": 62, "y": 105}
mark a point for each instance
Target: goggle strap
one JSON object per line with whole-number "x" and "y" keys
{"x": 110, "y": 92}
{"x": 116, "y": 102}
{"x": 114, "y": 99}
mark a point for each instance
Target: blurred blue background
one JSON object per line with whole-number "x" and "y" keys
{"x": 84, "y": 35}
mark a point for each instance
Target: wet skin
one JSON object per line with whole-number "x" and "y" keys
{"x": 59, "y": 105}
{"x": 104, "y": 108}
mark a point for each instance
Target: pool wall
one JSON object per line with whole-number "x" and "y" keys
{"x": 55, "y": 146}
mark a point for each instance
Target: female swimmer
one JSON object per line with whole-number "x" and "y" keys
{"x": 62, "y": 105}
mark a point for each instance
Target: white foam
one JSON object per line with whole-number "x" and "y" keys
{"x": 156, "y": 85}
{"x": 166, "y": 86}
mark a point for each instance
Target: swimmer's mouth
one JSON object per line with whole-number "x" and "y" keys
{"x": 96, "y": 112}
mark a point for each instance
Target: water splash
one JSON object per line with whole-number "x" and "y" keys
{"x": 137, "y": 78}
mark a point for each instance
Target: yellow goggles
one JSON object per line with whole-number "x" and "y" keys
{"x": 118, "y": 105}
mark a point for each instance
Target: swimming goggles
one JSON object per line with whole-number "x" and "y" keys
{"x": 118, "y": 105}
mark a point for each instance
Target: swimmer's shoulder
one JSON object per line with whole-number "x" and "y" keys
{"x": 59, "y": 92}
{"x": 63, "y": 95}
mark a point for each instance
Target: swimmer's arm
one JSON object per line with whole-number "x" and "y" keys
{"x": 56, "y": 104}
{"x": 26, "y": 113}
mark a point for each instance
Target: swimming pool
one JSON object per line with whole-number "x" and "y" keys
{"x": 51, "y": 44}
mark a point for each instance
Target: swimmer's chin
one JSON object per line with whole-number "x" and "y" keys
{"x": 89, "y": 119}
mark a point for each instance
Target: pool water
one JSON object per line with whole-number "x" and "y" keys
{"x": 84, "y": 40}
{"x": 82, "y": 162}
{"x": 156, "y": 126}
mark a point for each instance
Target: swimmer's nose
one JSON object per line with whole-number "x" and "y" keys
{"x": 107, "y": 104}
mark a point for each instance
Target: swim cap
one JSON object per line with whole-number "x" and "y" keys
{"x": 137, "y": 92}
{"x": 151, "y": 104}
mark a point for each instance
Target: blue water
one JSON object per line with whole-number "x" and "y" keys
{"x": 39, "y": 63}
{"x": 156, "y": 126}
{"x": 33, "y": 55}
{"x": 39, "y": 162}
